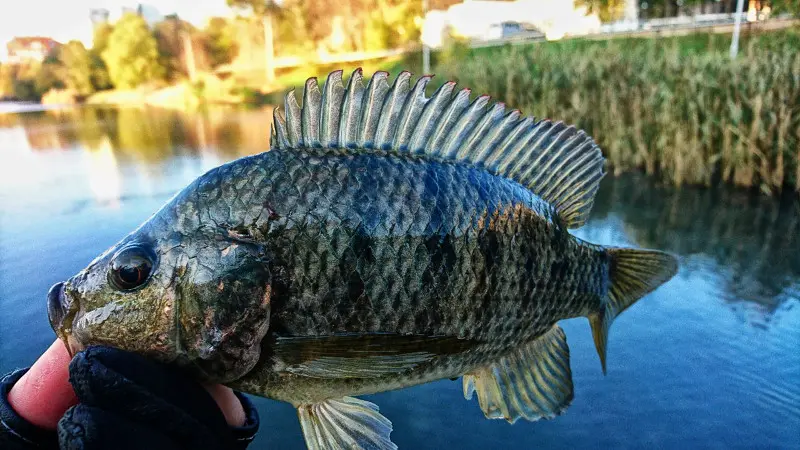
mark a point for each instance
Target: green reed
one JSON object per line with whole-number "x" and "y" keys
{"x": 679, "y": 108}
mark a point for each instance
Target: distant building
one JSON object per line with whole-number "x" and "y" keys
{"x": 486, "y": 20}
{"x": 25, "y": 49}
{"x": 149, "y": 13}
{"x": 99, "y": 16}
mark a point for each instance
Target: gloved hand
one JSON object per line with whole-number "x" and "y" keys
{"x": 129, "y": 402}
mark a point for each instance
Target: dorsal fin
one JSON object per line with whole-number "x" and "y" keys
{"x": 557, "y": 162}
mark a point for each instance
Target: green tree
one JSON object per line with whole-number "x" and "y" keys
{"x": 786, "y": 6}
{"x": 219, "y": 40}
{"x": 77, "y": 68}
{"x": 6, "y": 80}
{"x": 173, "y": 35}
{"x": 264, "y": 11}
{"x": 49, "y": 74}
{"x": 100, "y": 78}
{"x": 132, "y": 53}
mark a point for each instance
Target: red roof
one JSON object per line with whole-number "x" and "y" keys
{"x": 28, "y": 41}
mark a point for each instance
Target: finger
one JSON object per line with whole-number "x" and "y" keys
{"x": 229, "y": 404}
{"x": 43, "y": 394}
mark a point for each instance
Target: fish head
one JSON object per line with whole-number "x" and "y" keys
{"x": 182, "y": 294}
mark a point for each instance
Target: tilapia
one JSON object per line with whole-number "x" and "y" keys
{"x": 386, "y": 239}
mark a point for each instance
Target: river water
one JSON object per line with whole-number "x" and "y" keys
{"x": 710, "y": 360}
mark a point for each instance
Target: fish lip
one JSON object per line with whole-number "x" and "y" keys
{"x": 61, "y": 312}
{"x": 56, "y": 310}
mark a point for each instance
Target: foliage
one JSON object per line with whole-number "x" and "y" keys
{"x": 686, "y": 115}
{"x": 132, "y": 54}
{"x": 219, "y": 41}
{"x": 6, "y": 80}
{"x": 76, "y": 73}
{"x": 786, "y": 6}
{"x": 46, "y": 75}
{"x": 99, "y": 72}
{"x": 170, "y": 35}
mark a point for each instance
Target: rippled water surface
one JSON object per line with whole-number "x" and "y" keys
{"x": 710, "y": 360}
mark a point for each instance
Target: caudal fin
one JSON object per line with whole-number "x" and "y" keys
{"x": 634, "y": 273}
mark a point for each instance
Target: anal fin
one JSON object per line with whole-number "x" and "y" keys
{"x": 347, "y": 423}
{"x": 532, "y": 383}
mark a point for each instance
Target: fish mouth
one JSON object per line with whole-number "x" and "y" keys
{"x": 61, "y": 311}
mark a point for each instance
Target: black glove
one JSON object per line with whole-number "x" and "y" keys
{"x": 129, "y": 402}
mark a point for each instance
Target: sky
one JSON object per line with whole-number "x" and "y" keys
{"x": 64, "y": 20}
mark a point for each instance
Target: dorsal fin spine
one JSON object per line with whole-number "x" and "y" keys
{"x": 488, "y": 146}
{"x": 330, "y": 113}
{"x": 351, "y": 109}
{"x": 410, "y": 114}
{"x": 310, "y": 113}
{"x": 427, "y": 123}
{"x": 293, "y": 119}
{"x": 489, "y": 119}
{"x": 444, "y": 126}
{"x": 370, "y": 113}
{"x": 463, "y": 127}
{"x": 279, "y": 133}
{"x": 392, "y": 106}
{"x": 505, "y": 151}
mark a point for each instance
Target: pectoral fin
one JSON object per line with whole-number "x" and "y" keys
{"x": 532, "y": 383}
{"x": 347, "y": 423}
{"x": 361, "y": 355}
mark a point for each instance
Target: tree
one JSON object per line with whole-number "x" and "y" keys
{"x": 173, "y": 36}
{"x": 786, "y": 6}
{"x": 100, "y": 78}
{"x": 132, "y": 53}
{"x": 219, "y": 40}
{"x": 263, "y": 10}
{"x": 45, "y": 76}
{"x": 76, "y": 72}
{"x": 6, "y": 80}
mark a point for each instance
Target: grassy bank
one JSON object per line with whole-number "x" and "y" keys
{"x": 676, "y": 108}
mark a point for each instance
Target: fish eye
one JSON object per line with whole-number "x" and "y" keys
{"x": 131, "y": 268}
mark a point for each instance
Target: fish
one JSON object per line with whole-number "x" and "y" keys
{"x": 386, "y": 239}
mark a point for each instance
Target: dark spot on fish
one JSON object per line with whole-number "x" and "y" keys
{"x": 362, "y": 244}
{"x": 355, "y": 287}
{"x": 557, "y": 268}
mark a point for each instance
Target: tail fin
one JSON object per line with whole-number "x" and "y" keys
{"x": 634, "y": 273}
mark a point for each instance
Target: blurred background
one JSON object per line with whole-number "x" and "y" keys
{"x": 108, "y": 107}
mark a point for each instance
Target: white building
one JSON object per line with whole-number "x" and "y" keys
{"x": 480, "y": 20}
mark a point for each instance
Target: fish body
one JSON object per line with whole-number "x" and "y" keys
{"x": 386, "y": 240}
{"x": 372, "y": 243}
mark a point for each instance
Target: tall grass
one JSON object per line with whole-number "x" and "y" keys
{"x": 678, "y": 109}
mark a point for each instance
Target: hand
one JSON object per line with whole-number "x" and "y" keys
{"x": 126, "y": 401}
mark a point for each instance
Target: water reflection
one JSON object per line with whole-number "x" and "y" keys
{"x": 754, "y": 240}
{"x": 122, "y": 152}
{"x": 146, "y": 134}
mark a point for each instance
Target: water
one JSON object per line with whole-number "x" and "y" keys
{"x": 709, "y": 360}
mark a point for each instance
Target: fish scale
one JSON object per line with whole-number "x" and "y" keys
{"x": 451, "y": 195}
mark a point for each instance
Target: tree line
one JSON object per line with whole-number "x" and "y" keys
{"x": 124, "y": 55}
{"x": 129, "y": 53}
